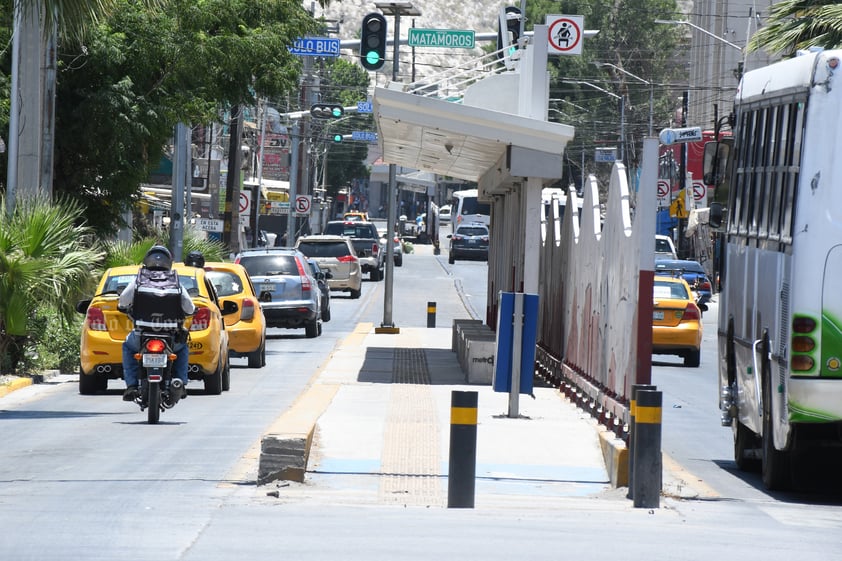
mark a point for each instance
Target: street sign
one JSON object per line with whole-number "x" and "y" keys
{"x": 210, "y": 224}
{"x": 315, "y": 46}
{"x": 677, "y": 136}
{"x": 364, "y": 107}
{"x": 605, "y": 155}
{"x": 367, "y": 136}
{"x": 302, "y": 204}
{"x": 449, "y": 38}
{"x": 564, "y": 34}
{"x": 279, "y": 208}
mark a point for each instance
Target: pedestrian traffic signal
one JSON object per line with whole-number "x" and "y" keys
{"x": 326, "y": 111}
{"x": 373, "y": 41}
{"x": 337, "y": 138}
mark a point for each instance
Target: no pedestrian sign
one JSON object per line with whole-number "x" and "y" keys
{"x": 564, "y": 34}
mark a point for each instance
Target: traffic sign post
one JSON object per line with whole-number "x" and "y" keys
{"x": 302, "y": 205}
{"x": 449, "y": 38}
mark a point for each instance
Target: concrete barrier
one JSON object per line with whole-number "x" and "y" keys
{"x": 479, "y": 357}
{"x": 457, "y": 324}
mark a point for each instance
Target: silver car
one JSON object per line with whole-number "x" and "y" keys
{"x": 288, "y": 293}
{"x": 335, "y": 254}
{"x": 397, "y": 251}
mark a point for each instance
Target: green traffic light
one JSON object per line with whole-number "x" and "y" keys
{"x": 337, "y": 138}
{"x": 372, "y": 57}
{"x": 337, "y": 111}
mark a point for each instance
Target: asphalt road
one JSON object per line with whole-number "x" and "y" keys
{"x": 84, "y": 477}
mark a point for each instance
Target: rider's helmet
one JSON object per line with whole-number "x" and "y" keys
{"x": 158, "y": 258}
{"x": 195, "y": 259}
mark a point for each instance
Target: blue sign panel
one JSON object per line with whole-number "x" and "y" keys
{"x": 364, "y": 107}
{"x": 315, "y": 46}
{"x": 364, "y": 135}
{"x": 502, "y": 379}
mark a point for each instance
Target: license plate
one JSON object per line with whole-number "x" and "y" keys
{"x": 472, "y": 242}
{"x": 267, "y": 287}
{"x": 154, "y": 361}
{"x": 658, "y": 314}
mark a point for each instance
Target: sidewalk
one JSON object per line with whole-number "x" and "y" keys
{"x": 379, "y": 417}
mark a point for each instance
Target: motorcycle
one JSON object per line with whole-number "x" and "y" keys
{"x": 159, "y": 390}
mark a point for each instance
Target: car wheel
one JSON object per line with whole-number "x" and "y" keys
{"x": 226, "y": 376}
{"x": 90, "y": 384}
{"x": 398, "y": 261}
{"x": 326, "y": 314}
{"x": 311, "y": 329}
{"x": 258, "y": 357}
{"x": 375, "y": 275}
{"x": 693, "y": 358}
{"x": 452, "y": 258}
{"x": 213, "y": 383}
{"x": 355, "y": 293}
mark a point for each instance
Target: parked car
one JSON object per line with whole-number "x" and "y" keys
{"x": 335, "y": 254}
{"x": 469, "y": 241}
{"x": 105, "y": 328}
{"x": 288, "y": 293}
{"x": 444, "y": 214}
{"x": 397, "y": 248}
{"x": 366, "y": 242}
{"x": 322, "y": 277}
{"x": 690, "y": 271}
{"x": 664, "y": 248}
{"x": 676, "y": 321}
{"x": 247, "y": 328}
{"x": 355, "y": 216}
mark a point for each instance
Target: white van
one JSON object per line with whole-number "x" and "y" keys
{"x": 664, "y": 248}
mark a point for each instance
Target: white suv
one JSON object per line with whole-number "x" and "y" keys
{"x": 335, "y": 254}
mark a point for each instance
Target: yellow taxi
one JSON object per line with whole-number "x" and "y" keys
{"x": 355, "y": 216}
{"x": 247, "y": 328}
{"x": 105, "y": 328}
{"x": 676, "y": 320}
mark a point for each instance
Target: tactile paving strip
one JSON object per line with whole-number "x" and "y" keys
{"x": 410, "y": 460}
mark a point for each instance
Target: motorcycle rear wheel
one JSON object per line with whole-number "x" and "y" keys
{"x": 154, "y": 404}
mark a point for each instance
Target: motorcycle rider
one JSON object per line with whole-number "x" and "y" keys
{"x": 158, "y": 258}
{"x": 195, "y": 259}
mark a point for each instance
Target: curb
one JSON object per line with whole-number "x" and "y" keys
{"x": 15, "y": 384}
{"x": 616, "y": 457}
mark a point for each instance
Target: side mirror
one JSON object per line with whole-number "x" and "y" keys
{"x": 328, "y": 275}
{"x": 82, "y": 306}
{"x": 717, "y": 214}
{"x": 229, "y": 307}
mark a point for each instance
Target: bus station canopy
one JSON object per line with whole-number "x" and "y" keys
{"x": 458, "y": 140}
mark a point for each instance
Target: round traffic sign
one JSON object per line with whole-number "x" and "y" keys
{"x": 699, "y": 191}
{"x": 564, "y": 35}
{"x": 663, "y": 189}
{"x": 244, "y": 202}
{"x": 302, "y": 204}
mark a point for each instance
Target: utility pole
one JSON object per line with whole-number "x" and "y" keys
{"x": 231, "y": 228}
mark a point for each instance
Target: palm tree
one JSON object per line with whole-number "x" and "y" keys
{"x": 46, "y": 261}
{"x": 800, "y": 24}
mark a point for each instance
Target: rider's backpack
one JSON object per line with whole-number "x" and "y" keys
{"x": 157, "y": 300}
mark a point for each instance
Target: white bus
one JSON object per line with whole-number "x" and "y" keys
{"x": 780, "y": 310}
{"x": 466, "y": 208}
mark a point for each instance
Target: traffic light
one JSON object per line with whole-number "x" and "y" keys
{"x": 326, "y": 111}
{"x": 337, "y": 137}
{"x": 373, "y": 41}
{"x": 512, "y": 17}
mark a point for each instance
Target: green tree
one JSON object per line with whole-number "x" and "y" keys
{"x": 143, "y": 69}
{"x": 800, "y": 24}
{"x": 46, "y": 261}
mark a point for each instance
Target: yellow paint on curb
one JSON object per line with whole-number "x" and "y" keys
{"x": 15, "y": 384}
{"x": 616, "y": 457}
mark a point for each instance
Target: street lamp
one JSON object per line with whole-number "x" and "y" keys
{"x": 699, "y": 29}
{"x": 396, "y": 9}
{"x": 638, "y": 78}
{"x": 622, "y": 111}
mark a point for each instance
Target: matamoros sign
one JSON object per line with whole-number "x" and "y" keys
{"x": 451, "y": 38}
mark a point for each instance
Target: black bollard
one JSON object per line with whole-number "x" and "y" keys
{"x": 461, "y": 474}
{"x": 431, "y": 314}
{"x": 634, "y": 389}
{"x": 648, "y": 465}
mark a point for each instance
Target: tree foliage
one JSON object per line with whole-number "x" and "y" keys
{"x": 800, "y": 24}
{"x": 143, "y": 69}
